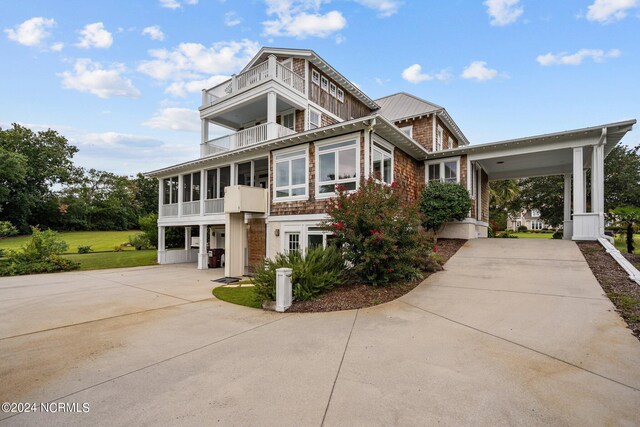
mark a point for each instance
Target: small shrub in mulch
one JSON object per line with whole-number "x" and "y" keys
{"x": 358, "y": 295}
{"x": 622, "y": 291}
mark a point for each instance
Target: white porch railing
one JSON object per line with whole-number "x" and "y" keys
{"x": 191, "y": 208}
{"x": 268, "y": 70}
{"x": 213, "y": 206}
{"x": 178, "y": 256}
{"x": 169, "y": 210}
{"x": 244, "y": 138}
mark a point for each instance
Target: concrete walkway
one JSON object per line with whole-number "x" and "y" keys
{"x": 513, "y": 332}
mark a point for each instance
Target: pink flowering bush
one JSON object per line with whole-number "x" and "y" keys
{"x": 380, "y": 233}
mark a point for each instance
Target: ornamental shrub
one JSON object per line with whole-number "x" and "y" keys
{"x": 41, "y": 254}
{"x": 522, "y": 229}
{"x": 85, "y": 249}
{"x": 443, "y": 202}
{"x": 379, "y": 233}
{"x": 7, "y": 229}
{"x": 315, "y": 273}
{"x": 139, "y": 241}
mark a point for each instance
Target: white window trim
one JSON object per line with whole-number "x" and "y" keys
{"x": 315, "y": 73}
{"x": 340, "y": 94}
{"x": 288, "y": 150}
{"x": 302, "y": 228}
{"x": 286, "y": 113}
{"x": 439, "y": 138}
{"x": 309, "y": 118}
{"x": 391, "y": 148}
{"x": 322, "y": 85}
{"x": 171, "y": 201}
{"x": 410, "y": 127}
{"x": 333, "y": 89}
{"x": 331, "y": 141}
{"x": 441, "y": 162}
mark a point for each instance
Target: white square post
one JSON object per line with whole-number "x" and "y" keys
{"x": 283, "y": 289}
{"x": 203, "y": 255}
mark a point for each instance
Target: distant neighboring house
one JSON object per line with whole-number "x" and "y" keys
{"x": 530, "y": 219}
{"x": 298, "y": 128}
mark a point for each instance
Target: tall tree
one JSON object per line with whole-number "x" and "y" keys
{"x": 622, "y": 178}
{"x": 503, "y": 201}
{"x": 48, "y": 162}
{"x": 13, "y": 170}
{"x": 546, "y": 194}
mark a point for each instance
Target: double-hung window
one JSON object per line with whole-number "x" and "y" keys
{"x": 315, "y": 77}
{"x": 336, "y": 164}
{"x": 382, "y": 162}
{"x": 291, "y": 171}
{"x": 292, "y": 242}
{"x": 314, "y": 119}
{"x": 446, "y": 170}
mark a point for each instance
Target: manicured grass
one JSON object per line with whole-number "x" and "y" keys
{"x": 621, "y": 243}
{"x": 237, "y": 295}
{"x": 533, "y": 235}
{"x": 98, "y": 240}
{"x": 101, "y": 260}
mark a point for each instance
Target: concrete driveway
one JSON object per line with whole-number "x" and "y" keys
{"x": 514, "y": 332}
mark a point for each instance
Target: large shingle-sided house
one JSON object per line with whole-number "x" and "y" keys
{"x": 298, "y": 128}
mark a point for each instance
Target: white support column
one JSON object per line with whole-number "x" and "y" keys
{"x": 161, "y": 245}
{"x": 578, "y": 181}
{"x": 234, "y": 244}
{"x": 204, "y": 130}
{"x": 567, "y": 230}
{"x": 367, "y": 153}
{"x": 203, "y": 257}
{"x": 187, "y": 238}
{"x": 180, "y": 196}
{"x": 271, "y": 64}
{"x": 597, "y": 189}
{"x": 203, "y": 190}
{"x": 272, "y": 105}
{"x": 584, "y": 192}
{"x": 160, "y": 197}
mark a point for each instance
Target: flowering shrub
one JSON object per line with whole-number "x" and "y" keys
{"x": 379, "y": 232}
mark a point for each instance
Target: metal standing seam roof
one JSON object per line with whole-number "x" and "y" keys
{"x": 403, "y": 105}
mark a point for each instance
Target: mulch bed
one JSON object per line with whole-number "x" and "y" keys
{"x": 622, "y": 291}
{"x": 352, "y": 296}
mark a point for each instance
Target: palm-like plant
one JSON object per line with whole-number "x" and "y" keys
{"x": 627, "y": 217}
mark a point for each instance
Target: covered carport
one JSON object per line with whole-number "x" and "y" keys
{"x": 569, "y": 153}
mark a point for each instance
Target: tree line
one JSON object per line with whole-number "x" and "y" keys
{"x": 40, "y": 185}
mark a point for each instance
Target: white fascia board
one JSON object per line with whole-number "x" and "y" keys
{"x": 533, "y": 146}
{"x": 210, "y": 219}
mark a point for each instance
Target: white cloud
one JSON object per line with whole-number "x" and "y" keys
{"x": 479, "y": 71}
{"x": 182, "y": 119}
{"x": 94, "y": 35}
{"x": 91, "y": 77}
{"x": 384, "y": 7}
{"x": 607, "y": 11}
{"x": 154, "y": 32}
{"x": 414, "y": 74}
{"x": 503, "y": 12}
{"x": 182, "y": 88}
{"x": 563, "y": 58}
{"x": 301, "y": 19}
{"x": 231, "y": 19}
{"x": 31, "y": 32}
{"x": 57, "y": 47}
{"x": 196, "y": 61}
{"x": 340, "y": 39}
{"x": 175, "y": 4}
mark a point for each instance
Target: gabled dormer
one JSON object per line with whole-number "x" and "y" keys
{"x": 278, "y": 93}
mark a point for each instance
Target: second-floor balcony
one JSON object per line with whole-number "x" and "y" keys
{"x": 244, "y": 138}
{"x": 254, "y": 76}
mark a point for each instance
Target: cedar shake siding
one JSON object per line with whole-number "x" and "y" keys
{"x": 423, "y": 131}
{"x": 299, "y": 122}
{"x": 256, "y": 241}
{"x": 327, "y": 120}
{"x": 409, "y": 173}
{"x": 463, "y": 171}
{"x": 484, "y": 196}
{"x": 351, "y": 108}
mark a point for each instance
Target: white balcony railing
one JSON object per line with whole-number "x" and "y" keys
{"x": 244, "y": 138}
{"x": 191, "y": 208}
{"x": 213, "y": 206}
{"x": 268, "y": 70}
{"x": 169, "y": 210}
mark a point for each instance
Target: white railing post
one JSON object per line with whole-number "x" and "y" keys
{"x": 234, "y": 83}
{"x": 204, "y": 97}
{"x": 160, "y": 197}
{"x": 283, "y": 289}
{"x": 272, "y": 66}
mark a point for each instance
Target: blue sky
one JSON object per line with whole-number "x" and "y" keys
{"x": 122, "y": 79}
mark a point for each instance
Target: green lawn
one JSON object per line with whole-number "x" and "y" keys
{"x": 533, "y": 235}
{"x": 237, "y": 295}
{"x": 101, "y": 260}
{"x": 98, "y": 240}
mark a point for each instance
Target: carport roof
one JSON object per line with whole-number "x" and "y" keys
{"x": 540, "y": 155}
